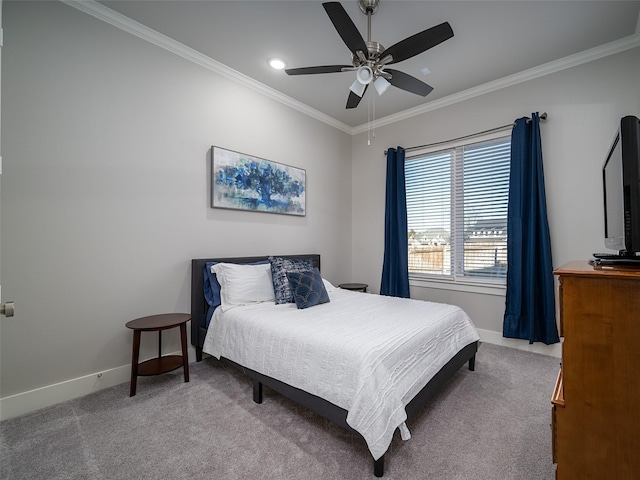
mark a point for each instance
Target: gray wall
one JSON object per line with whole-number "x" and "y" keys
{"x": 105, "y": 191}
{"x": 584, "y": 104}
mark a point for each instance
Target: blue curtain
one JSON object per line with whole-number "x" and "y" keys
{"x": 530, "y": 304}
{"x": 395, "y": 269}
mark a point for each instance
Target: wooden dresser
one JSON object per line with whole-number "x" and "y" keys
{"x": 596, "y": 402}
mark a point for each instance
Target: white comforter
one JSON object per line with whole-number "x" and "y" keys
{"x": 367, "y": 354}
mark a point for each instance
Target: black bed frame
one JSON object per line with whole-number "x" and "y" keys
{"x": 318, "y": 405}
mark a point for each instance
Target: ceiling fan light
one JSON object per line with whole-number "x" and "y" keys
{"x": 358, "y": 88}
{"x": 381, "y": 85}
{"x": 364, "y": 75}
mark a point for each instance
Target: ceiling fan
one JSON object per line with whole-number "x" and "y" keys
{"x": 370, "y": 59}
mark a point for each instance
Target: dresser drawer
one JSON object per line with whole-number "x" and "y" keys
{"x": 554, "y": 457}
{"x": 557, "y": 410}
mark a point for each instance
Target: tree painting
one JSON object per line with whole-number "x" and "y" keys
{"x": 249, "y": 183}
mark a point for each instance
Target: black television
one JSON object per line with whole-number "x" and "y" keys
{"x": 621, "y": 189}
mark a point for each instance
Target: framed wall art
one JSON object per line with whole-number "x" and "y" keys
{"x": 244, "y": 182}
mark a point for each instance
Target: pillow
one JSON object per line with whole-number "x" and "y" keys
{"x": 279, "y": 269}
{"x": 308, "y": 288}
{"x": 328, "y": 285}
{"x": 211, "y": 288}
{"x": 243, "y": 284}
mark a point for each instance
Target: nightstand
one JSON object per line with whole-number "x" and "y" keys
{"x": 354, "y": 287}
{"x": 161, "y": 364}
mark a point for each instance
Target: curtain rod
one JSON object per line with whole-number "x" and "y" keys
{"x": 543, "y": 116}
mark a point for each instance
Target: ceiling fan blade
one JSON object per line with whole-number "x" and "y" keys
{"x": 319, "y": 69}
{"x": 354, "y": 100}
{"x": 407, "y": 82}
{"x": 345, "y": 27}
{"x": 418, "y": 43}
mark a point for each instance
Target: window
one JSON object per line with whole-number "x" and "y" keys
{"x": 457, "y": 211}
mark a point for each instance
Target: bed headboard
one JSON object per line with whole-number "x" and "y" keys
{"x": 199, "y": 304}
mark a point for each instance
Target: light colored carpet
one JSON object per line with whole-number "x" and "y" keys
{"x": 489, "y": 424}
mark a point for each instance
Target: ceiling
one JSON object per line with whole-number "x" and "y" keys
{"x": 493, "y": 40}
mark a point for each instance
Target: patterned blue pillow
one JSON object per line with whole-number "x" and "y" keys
{"x": 279, "y": 269}
{"x": 308, "y": 288}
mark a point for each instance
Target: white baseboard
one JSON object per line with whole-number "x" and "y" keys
{"x": 496, "y": 338}
{"x": 38, "y": 398}
{"x": 32, "y": 400}
{"x": 29, "y": 401}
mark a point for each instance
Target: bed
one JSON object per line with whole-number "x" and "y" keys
{"x": 373, "y": 376}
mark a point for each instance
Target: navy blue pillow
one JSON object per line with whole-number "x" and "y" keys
{"x": 211, "y": 291}
{"x": 307, "y": 288}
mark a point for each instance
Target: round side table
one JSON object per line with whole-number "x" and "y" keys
{"x": 355, "y": 287}
{"x": 162, "y": 364}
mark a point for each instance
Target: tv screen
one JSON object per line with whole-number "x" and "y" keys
{"x": 621, "y": 189}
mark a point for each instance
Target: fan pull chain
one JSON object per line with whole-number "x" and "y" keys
{"x": 371, "y": 133}
{"x": 374, "y": 117}
{"x": 369, "y": 121}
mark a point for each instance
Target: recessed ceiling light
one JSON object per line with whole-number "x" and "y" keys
{"x": 425, "y": 71}
{"x": 277, "y": 63}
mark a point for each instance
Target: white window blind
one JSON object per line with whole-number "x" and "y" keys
{"x": 457, "y": 211}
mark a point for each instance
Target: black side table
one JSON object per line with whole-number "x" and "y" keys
{"x": 156, "y": 366}
{"x": 355, "y": 287}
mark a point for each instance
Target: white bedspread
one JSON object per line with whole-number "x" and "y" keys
{"x": 367, "y": 354}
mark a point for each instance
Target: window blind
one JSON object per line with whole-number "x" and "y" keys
{"x": 457, "y": 211}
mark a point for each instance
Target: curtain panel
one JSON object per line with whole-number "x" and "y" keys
{"x": 395, "y": 267}
{"x": 530, "y": 300}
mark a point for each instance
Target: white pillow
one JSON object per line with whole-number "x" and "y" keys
{"x": 243, "y": 284}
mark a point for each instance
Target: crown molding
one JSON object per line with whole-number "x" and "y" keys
{"x": 570, "y": 61}
{"x": 107, "y": 15}
{"x": 122, "y": 22}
